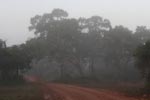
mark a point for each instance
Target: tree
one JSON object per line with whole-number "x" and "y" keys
{"x": 142, "y": 56}
{"x": 93, "y": 30}
{"x": 59, "y": 14}
{"x": 142, "y": 34}
{"x": 58, "y": 37}
{"x": 13, "y": 61}
{"x": 116, "y": 50}
{"x": 79, "y": 41}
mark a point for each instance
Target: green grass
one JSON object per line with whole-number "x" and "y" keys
{"x": 25, "y": 92}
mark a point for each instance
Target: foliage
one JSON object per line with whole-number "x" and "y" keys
{"x": 91, "y": 45}
{"x": 14, "y": 60}
{"x": 142, "y": 55}
{"x": 83, "y": 41}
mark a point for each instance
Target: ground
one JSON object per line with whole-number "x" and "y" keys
{"x": 57, "y": 91}
{"x": 40, "y": 90}
{"x": 70, "y": 92}
{"x": 22, "y": 92}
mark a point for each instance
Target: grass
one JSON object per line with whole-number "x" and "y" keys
{"x": 24, "y": 92}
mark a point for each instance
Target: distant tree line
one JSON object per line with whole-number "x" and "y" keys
{"x": 79, "y": 43}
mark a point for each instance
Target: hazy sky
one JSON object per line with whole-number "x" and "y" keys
{"x": 15, "y": 14}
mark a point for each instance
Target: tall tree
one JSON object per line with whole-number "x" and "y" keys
{"x": 60, "y": 35}
{"x": 93, "y": 30}
{"x": 142, "y": 56}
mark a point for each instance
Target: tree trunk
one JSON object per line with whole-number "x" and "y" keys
{"x": 148, "y": 80}
{"x": 92, "y": 70}
{"x": 78, "y": 66}
{"x": 62, "y": 71}
{"x": 77, "y": 63}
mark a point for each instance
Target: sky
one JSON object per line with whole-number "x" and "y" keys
{"x": 15, "y": 14}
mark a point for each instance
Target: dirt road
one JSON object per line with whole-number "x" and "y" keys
{"x": 69, "y": 92}
{"x": 53, "y": 91}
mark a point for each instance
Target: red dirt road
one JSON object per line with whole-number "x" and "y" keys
{"x": 69, "y": 92}
{"x": 53, "y": 91}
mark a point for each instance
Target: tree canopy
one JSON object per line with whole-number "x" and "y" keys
{"x": 89, "y": 46}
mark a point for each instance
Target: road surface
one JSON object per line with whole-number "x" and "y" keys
{"x": 53, "y": 91}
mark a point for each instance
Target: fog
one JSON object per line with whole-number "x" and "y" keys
{"x": 74, "y": 49}
{"x": 15, "y": 14}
